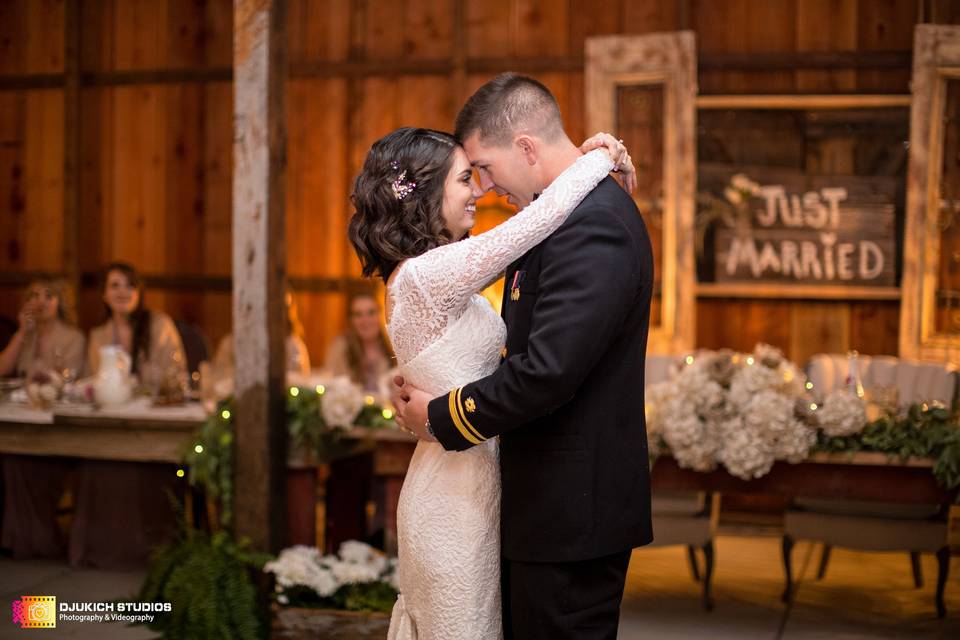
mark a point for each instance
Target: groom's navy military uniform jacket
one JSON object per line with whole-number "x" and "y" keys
{"x": 567, "y": 400}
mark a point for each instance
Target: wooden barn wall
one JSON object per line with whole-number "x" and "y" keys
{"x": 155, "y": 113}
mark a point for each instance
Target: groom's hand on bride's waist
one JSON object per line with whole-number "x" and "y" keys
{"x": 411, "y": 408}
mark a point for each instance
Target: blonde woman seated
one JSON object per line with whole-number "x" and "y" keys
{"x": 363, "y": 352}
{"x": 48, "y": 338}
{"x": 298, "y": 359}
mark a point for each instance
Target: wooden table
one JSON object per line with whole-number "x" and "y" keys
{"x": 864, "y": 476}
{"x": 136, "y": 432}
{"x": 139, "y": 432}
{"x": 143, "y": 433}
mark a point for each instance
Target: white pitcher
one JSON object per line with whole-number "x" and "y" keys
{"x": 113, "y": 385}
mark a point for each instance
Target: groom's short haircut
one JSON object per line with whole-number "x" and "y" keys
{"x": 508, "y": 105}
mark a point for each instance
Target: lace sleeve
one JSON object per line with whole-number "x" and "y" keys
{"x": 438, "y": 283}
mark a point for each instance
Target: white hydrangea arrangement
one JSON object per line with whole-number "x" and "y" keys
{"x": 356, "y": 564}
{"x": 342, "y": 401}
{"x": 842, "y": 414}
{"x": 744, "y": 411}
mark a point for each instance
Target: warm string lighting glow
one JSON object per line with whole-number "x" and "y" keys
{"x": 180, "y": 473}
{"x": 689, "y": 360}
{"x": 809, "y": 386}
{"x": 198, "y": 448}
{"x": 225, "y": 414}
{"x": 387, "y": 414}
{"x": 321, "y": 389}
{"x": 369, "y": 400}
{"x": 294, "y": 391}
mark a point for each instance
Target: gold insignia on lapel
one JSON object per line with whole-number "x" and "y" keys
{"x": 503, "y": 352}
{"x": 515, "y": 294}
{"x": 470, "y": 405}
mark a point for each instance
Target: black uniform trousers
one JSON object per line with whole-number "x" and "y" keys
{"x": 563, "y": 600}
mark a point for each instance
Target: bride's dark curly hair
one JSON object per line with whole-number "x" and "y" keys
{"x": 385, "y": 230}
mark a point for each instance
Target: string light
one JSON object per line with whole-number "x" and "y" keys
{"x": 688, "y": 359}
{"x": 369, "y": 400}
{"x": 750, "y": 360}
{"x": 198, "y": 448}
{"x": 813, "y": 406}
{"x": 225, "y": 414}
{"x": 809, "y": 386}
{"x": 294, "y": 391}
{"x": 180, "y": 473}
{"x": 321, "y": 389}
{"x": 387, "y": 414}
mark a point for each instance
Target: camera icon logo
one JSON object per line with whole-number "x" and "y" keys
{"x": 35, "y": 612}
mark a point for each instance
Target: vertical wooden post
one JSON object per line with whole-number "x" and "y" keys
{"x": 259, "y": 270}
{"x": 71, "y": 143}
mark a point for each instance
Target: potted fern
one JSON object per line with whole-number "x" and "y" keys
{"x": 209, "y": 581}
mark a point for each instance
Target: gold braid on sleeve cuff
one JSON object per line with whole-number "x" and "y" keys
{"x": 459, "y": 415}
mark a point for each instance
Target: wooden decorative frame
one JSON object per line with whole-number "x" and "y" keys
{"x": 668, "y": 60}
{"x": 936, "y": 58}
{"x": 762, "y": 290}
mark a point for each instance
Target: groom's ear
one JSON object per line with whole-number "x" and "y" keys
{"x": 528, "y": 147}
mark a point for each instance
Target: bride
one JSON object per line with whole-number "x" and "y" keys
{"x": 415, "y": 202}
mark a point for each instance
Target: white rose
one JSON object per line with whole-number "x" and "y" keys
{"x": 341, "y": 402}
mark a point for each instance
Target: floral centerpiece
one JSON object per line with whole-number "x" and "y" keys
{"x": 357, "y": 578}
{"x": 744, "y": 411}
{"x": 43, "y": 388}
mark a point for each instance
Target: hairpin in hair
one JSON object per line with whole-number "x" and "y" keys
{"x": 401, "y": 186}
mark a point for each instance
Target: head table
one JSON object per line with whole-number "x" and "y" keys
{"x": 140, "y": 432}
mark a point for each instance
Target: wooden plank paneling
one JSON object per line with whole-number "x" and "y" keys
{"x": 43, "y": 181}
{"x": 539, "y": 27}
{"x": 490, "y": 29}
{"x": 161, "y": 198}
{"x": 31, "y": 36}
{"x": 745, "y": 26}
{"x": 318, "y": 30}
{"x": 12, "y": 126}
{"x": 826, "y": 25}
{"x": 885, "y": 25}
{"x": 818, "y": 327}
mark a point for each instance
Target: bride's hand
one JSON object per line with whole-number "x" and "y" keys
{"x": 623, "y": 163}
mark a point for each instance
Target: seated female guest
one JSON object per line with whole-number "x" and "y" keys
{"x": 122, "y": 507}
{"x": 363, "y": 352}
{"x": 47, "y": 340}
{"x": 298, "y": 359}
{"x": 355, "y": 498}
{"x": 150, "y": 337}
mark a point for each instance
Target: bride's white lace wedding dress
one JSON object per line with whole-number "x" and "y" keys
{"x": 445, "y": 335}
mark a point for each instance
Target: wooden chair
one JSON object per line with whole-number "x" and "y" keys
{"x": 683, "y": 517}
{"x": 875, "y": 526}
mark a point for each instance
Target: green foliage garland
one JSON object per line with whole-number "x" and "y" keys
{"x": 921, "y": 432}
{"x": 209, "y": 457}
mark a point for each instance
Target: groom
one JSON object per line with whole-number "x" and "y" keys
{"x": 567, "y": 400}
